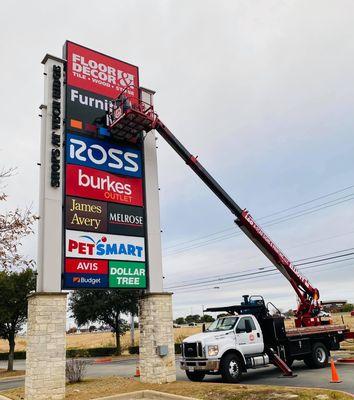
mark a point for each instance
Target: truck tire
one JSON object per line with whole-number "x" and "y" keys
{"x": 318, "y": 358}
{"x": 231, "y": 368}
{"x": 195, "y": 376}
{"x": 289, "y": 361}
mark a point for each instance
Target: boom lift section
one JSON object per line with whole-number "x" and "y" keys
{"x": 128, "y": 117}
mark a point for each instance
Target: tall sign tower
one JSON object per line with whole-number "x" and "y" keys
{"x": 99, "y": 216}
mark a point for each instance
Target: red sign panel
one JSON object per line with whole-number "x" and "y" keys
{"x": 83, "y": 266}
{"x": 98, "y": 73}
{"x": 100, "y": 185}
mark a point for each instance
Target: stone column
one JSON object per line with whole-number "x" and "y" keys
{"x": 46, "y": 347}
{"x": 156, "y": 330}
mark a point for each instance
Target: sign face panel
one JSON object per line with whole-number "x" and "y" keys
{"x": 98, "y": 73}
{"x": 72, "y": 281}
{"x": 104, "y": 247}
{"x": 99, "y": 185}
{"x": 86, "y": 215}
{"x": 104, "y": 214}
{"x": 127, "y": 274}
{"x": 103, "y": 155}
{"x": 125, "y": 220}
{"x": 86, "y": 266}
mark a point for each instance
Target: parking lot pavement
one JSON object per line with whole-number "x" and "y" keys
{"x": 263, "y": 376}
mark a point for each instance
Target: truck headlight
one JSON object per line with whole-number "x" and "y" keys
{"x": 213, "y": 350}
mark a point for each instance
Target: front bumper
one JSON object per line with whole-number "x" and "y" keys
{"x": 199, "y": 364}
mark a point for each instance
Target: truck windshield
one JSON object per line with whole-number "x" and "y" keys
{"x": 222, "y": 324}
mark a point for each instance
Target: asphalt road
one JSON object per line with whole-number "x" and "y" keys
{"x": 263, "y": 376}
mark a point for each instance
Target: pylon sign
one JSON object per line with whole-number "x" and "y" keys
{"x": 104, "y": 201}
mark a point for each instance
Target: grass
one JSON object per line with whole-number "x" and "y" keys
{"x": 94, "y": 388}
{"x": 101, "y": 339}
{"x": 5, "y": 374}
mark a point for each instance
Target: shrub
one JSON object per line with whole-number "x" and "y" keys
{"x": 133, "y": 349}
{"x": 19, "y": 355}
{"x": 75, "y": 370}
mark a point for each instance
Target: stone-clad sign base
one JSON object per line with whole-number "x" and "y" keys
{"x": 156, "y": 329}
{"x": 46, "y": 347}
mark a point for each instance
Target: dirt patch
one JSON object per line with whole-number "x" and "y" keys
{"x": 5, "y": 374}
{"x": 94, "y": 388}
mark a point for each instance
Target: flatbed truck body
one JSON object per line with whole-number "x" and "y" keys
{"x": 256, "y": 339}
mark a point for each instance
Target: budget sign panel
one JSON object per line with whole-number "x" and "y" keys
{"x": 100, "y": 185}
{"x": 104, "y": 247}
{"x": 103, "y": 155}
{"x": 93, "y": 281}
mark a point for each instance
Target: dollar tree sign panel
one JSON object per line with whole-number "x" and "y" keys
{"x": 105, "y": 220}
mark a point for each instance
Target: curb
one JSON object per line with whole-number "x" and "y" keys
{"x": 10, "y": 378}
{"x": 345, "y": 360}
{"x": 145, "y": 394}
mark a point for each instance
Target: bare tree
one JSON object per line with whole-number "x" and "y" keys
{"x": 14, "y": 225}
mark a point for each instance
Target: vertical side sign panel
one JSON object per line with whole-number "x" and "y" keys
{"x": 49, "y": 257}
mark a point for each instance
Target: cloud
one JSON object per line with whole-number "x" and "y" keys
{"x": 260, "y": 91}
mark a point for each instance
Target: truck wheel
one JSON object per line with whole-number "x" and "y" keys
{"x": 231, "y": 368}
{"x": 195, "y": 376}
{"x": 289, "y": 361}
{"x": 318, "y": 357}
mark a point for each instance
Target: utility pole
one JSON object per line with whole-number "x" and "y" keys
{"x": 132, "y": 330}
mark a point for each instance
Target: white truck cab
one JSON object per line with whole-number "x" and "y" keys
{"x": 229, "y": 346}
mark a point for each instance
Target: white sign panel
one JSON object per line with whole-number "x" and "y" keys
{"x": 103, "y": 246}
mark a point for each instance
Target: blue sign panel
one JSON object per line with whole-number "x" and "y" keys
{"x": 85, "y": 281}
{"x": 103, "y": 155}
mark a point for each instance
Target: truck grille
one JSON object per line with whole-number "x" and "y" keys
{"x": 192, "y": 350}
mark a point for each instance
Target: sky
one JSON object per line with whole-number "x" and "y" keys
{"x": 261, "y": 91}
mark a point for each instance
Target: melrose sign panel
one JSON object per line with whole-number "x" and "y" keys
{"x": 104, "y": 199}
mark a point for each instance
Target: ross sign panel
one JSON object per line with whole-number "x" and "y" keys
{"x": 103, "y": 155}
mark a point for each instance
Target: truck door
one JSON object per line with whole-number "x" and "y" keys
{"x": 249, "y": 336}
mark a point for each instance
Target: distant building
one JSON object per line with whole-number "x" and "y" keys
{"x": 333, "y": 305}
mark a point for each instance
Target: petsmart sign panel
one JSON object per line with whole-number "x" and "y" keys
{"x": 104, "y": 247}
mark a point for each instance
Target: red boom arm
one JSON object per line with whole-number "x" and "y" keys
{"x": 127, "y": 119}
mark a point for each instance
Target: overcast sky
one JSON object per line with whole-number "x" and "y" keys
{"x": 262, "y": 91}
